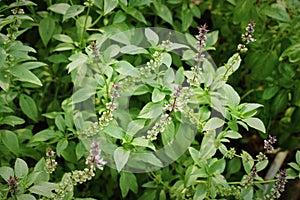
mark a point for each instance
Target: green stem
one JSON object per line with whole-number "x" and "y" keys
{"x": 247, "y": 93}
{"x": 96, "y": 21}
{"x": 84, "y": 26}
{"x": 254, "y": 182}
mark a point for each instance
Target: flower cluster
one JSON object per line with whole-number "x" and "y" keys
{"x": 231, "y": 191}
{"x": 50, "y": 161}
{"x": 80, "y": 177}
{"x": 230, "y": 153}
{"x": 166, "y": 43}
{"x": 268, "y": 144}
{"x": 248, "y": 179}
{"x": 106, "y": 116}
{"x": 94, "y": 159}
{"x": 64, "y": 187}
{"x": 152, "y": 65}
{"x": 179, "y": 102}
{"x": 279, "y": 186}
{"x": 247, "y": 37}
{"x": 18, "y": 11}
{"x": 199, "y": 56}
{"x": 159, "y": 127}
{"x": 13, "y": 185}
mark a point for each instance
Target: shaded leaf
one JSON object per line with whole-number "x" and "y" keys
{"x": 121, "y": 157}
{"x": 46, "y": 29}
{"x": 28, "y": 106}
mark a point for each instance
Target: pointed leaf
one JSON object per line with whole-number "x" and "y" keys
{"x": 73, "y": 11}
{"x": 25, "y": 75}
{"x": 28, "y": 107}
{"x": 10, "y": 140}
{"x": 255, "y": 123}
{"x": 121, "y": 157}
{"x": 21, "y": 168}
{"x": 109, "y": 5}
{"x": 46, "y": 29}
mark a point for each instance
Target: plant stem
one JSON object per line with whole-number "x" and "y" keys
{"x": 84, "y": 26}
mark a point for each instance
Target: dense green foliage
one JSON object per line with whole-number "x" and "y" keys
{"x": 74, "y": 73}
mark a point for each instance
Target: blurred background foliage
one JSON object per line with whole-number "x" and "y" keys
{"x": 270, "y": 72}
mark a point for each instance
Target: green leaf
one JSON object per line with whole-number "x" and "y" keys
{"x": 6, "y": 172}
{"x": 136, "y": 3}
{"x": 12, "y": 120}
{"x": 212, "y": 38}
{"x": 10, "y": 140}
{"x": 150, "y": 111}
{"x": 46, "y": 29}
{"x": 261, "y": 165}
{"x": 114, "y": 131}
{"x": 83, "y": 94}
{"x": 166, "y": 59}
{"x": 157, "y": 95}
{"x": 179, "y": 76}
{"x": 119, "y": 17}
{"x": 77, "y": 59}
{"x": 80, "y": 149}
{"x": 298, "y": 157}
{"x": 125, "y": 68}
{"x": 151, "y": 36}
{"x": 217, "y": 167}
{"x": 25, "y": 75}
{"x": 294, "y": 165}
{"x": 121, "y": 157}
{"x": 201, "y": 191}
{"x": 32, "y": 65}
{"x": 134, "y": 126}
{"x": 111, "y": 51}
{"x": 213, "y": 124}
{"x": 64, "y": 47}
{"x": 248, "y": 161}
{"x": 25, "y": 197}
{"x": 60, "y": 8}
{"x": 187, "y": 19}
{"x": 277, "y": 11}
{"x": 44, "y": 189}
{"x": 4, "y": 80}
{"x": 208, "y": 146}
{"x": 135, "y": 13}
{"x": 133, "y": 50}
{"x": 232, "y": 134}
{"x": 164, "y": 12}
{"x": 60, "y": 123}
{"x": 128, "y": 181}
{"x": 270, "y": 92}
{"x": 142, "y": 142}
{"x": 21, "y": 168}
{"x": 233, "y": 166}
{"x": 61, "y": 146}
{"x": 63, "y": 38}
{"x": 28, "y": 107}
{"x": 109, "y": 5}
{"x": 292, "y": 52}
{"x": 73, "y": 11}
{"x": 45, "y": 135}
{"x": 255, "y": 123}
{"x": 169, "y": 76}
{"x": 280, "y": 102}
{"x": 194, "y": 153}
{"x": 247, "y": 194}
{"x": 233, "y": 98}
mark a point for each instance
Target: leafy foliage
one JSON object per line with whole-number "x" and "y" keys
{"x": 165, "y": 120}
